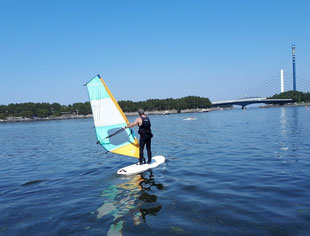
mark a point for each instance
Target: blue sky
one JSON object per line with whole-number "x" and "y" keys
{"x": 147, "y": 49}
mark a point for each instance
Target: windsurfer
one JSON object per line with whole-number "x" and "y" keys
{"x": 145, "y": 135}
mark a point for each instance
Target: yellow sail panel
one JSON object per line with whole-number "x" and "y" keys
{"x": 131, "y": 149}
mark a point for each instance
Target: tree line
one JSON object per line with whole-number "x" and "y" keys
{"x": 189, "y": 102}
{"x": 42, "y": 110}
{"x": 297, "y": 96}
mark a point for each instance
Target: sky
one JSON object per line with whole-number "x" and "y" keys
{"x": 146, "y": 49}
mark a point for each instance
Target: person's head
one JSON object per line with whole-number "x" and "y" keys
{"x": 141, "y": 112}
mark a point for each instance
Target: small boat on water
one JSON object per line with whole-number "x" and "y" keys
{"x": 190, "y": 118}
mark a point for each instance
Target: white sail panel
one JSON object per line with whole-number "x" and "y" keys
{"x": 106, "y": 113}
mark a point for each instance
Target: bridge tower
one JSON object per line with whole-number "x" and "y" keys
{"x": 294, "y": 68}
{"x": 282, "y": 81}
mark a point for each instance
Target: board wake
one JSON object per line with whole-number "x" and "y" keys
{"x": 136, "y": 168}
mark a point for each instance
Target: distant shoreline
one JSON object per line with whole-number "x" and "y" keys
{"x": 167, "y": 112}
{"x": 69, "y": 117}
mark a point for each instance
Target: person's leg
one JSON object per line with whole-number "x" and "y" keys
{"x": 142, "y": 144}
{"x": 149, "y": 151}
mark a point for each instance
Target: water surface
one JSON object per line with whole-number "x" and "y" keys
{"x": 234, "y": 172}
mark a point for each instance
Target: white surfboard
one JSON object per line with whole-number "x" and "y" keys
{"x": 137, "y": 168}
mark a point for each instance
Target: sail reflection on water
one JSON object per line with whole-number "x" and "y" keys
{"x": 130, "y": 199}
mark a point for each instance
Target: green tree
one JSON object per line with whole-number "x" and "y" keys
{"x": 42, "y": 113}
{"x": 2, "y": 116}
{"x": 26, "y": 113}
{"x": 81, "y": 108}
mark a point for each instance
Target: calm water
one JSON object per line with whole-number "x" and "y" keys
{"x": 227, "y": 173}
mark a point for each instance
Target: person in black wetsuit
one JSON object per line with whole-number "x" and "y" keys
{"x": 145, "y": 136}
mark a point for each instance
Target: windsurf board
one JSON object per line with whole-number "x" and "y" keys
{"x": 137, "y": 168}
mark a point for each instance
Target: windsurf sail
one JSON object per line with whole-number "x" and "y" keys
{"x": 110, "y": 120}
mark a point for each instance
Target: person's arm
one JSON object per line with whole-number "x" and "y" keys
{"x": 137, "y": 122}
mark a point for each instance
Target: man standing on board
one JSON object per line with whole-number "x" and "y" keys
{"x": 145, "y": 135}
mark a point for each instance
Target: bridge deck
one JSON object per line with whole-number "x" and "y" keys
{"x": 248, "y": 101}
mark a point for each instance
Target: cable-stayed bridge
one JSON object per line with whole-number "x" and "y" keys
{"x": 261, "y": 92}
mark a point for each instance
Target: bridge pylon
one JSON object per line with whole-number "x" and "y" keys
{"x": 294, "y": 67}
